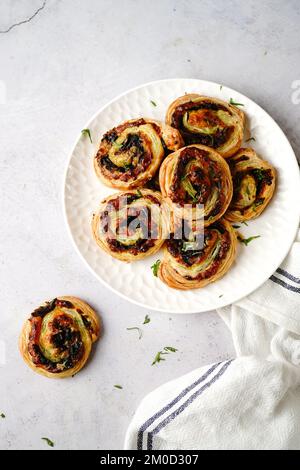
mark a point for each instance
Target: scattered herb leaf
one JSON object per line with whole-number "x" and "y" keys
{"x": 153, "y": 103}
{"x": 251, "y": 138}
{"x": 221, "y": 86}
{"x": 246, "y": 241}
{"x": 2, "y": 415}
{"x": 118, "y": 386}
{"x": 139, "y": 193}
{"x": 155, "y": 267}
{"x": 221, "y": 295}
{"x": 138, "y": 330}
{"x": 158, "y": 358}
{"x": 170, "y": 348}
{"x": 234, "y": 103}
{"x": 87, "y": 133}
{"x": 245, "y": 223}
{"x": 49, "y": 442}
{"x": 147, "y": 320}
{"x": 236, "y": 226}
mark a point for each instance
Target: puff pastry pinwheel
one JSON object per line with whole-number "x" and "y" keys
{"x": 253, "y": 183}
{"x": 130, "y": 154}
{"x": 208, "y": 121}
{"x": 56, "y": 340}
{"x": 197, "y": 176}
{"x": 199, "y": 259}
{"x": 130, "y": 225}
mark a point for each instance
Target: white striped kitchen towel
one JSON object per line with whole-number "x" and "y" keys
{"x": 251, "y": 402}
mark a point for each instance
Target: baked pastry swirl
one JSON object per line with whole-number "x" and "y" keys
{"x": 207, "y": 121}
{"x": 130, "y": 154}
{"x": 199, "y": 259}
{"x": 199, "y": 176}
{"x": 130, "y": 225}
{"x": 253, "y": 183}
{"x": 56, "y": 340}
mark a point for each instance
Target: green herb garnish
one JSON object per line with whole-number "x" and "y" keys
{"x": 245, "y": 223}
{"x": 147, "y": 320}
{"x": 170, "y": 348}
{"x": 138, "y": 330}
{"x": 258, "y": 203}
{"x": 158, "y": 358}
{"x": 236, "y": 226}
{"x": 259, "y": 174}
{"x": 139, "y": 193}
{"x": 221, "y": 295}
{"x": 118, "y": 386}
{"x": 153, "y": 103}
{"x": 87, "y": 133}
{"x": 188, "y": 187}
{"x": 186, "y": 246}
{"x": 251, "y": 138}
{"x": 246, "y": 241}
{"x": 234, "y": 103}
{"x": 221, "y": 86}
{"x": 155, "y": 267}
{"x": 2, "y": 415}
{"x": 49, "y": 442}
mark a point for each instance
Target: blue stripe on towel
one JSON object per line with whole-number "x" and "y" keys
{"x": 284, "y": 284}
{"x": 169, "y": 405}
{"x": 184, "y": 405}
{"x": 288, "y": 275}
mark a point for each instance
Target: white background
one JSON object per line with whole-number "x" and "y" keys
{"x": 58, "y": 69}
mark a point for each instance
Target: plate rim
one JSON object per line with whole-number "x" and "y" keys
{"x": 109, "y": 286}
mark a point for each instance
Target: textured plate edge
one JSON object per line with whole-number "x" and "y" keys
{"x": 120, "y": 294}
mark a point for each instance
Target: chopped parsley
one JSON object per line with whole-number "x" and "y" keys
{"x": 259, "y": 174}
{"x": 234, "y": 103}
{"x": 49, "y": 442}
{"x": 2, "y": 415}
{"x": 118, "y": 386}
{"x": 87, "y": 133}
{"x": 155, "y": 267}
{"x": 158, "y": 358}
{"x": 139, "y": 193}
{"x": 138, "y": 330}
{"x": 251, "y": 138}
{"x": 153, "y": 103}
{"x": 246, "y": 241}
{"x": 236, "y": 226}
{"x": 221, "y": 86}
{"x": 146, "y": 320}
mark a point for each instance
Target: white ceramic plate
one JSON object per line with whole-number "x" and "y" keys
{"x": 135, "y": 282}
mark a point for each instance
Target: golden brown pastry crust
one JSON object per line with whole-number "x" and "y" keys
{"x": 196, "y": 175}
{"x": 130, "y": 154}
{"x": 56, "y": 340}
{"x": 121, "y": 226}
{"x": 253, "y": 183}
{"x": 208, "y": 121}
{"x": 191, "y": 269}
